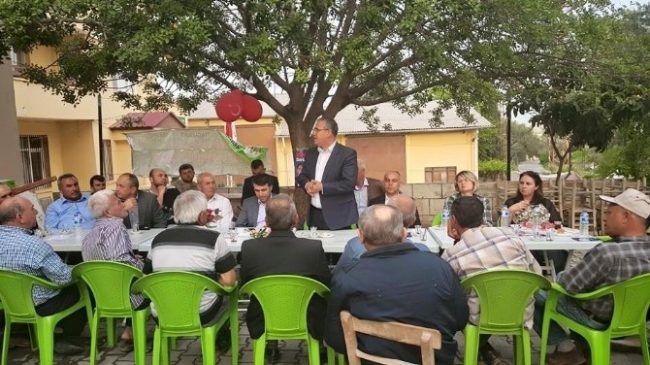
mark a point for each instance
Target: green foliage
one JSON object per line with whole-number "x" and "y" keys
{"x": 491, "y": 142}
{"x": 492, "y": 169}
{"x": 325, "y": 54}
{"x": 629, "y": 155}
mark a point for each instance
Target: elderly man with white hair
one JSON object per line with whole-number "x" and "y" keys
{"x": 190, "y": 247}
{"x": 109, "y": 240}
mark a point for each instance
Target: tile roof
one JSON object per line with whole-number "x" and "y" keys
{"x": 142, "y": 120}
{"x": 350, "y": 123}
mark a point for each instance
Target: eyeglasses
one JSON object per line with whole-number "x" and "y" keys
{"x": 316, "y": 130}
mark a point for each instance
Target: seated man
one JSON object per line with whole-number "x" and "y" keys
{"x": 191, "y": 247}
{"x": 164, "y": 194}
{"x": 149, "y": 212}
{"x": 218, "y": 204}
{"x": 22, "y": 251}
{"x": 282, "y": 253}
{"x": 392, "y": 183}
{"x": 97, "y": 183}
{"x": 253, "y": 210}
{"x": 354, "y": 248}
{"x": 109, "y": 240}
{"x": 257, "y": 168}
{"x": 71, "y": 209}
{"x": 394, "y": 281}
{"x": 366, "y": 188}
{"x": 481, "y": 249}
{"x": 606, "y": 264}
{"x": 185, "y": 181}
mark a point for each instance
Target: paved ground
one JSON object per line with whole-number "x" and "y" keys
{"x": 188, "y": 352}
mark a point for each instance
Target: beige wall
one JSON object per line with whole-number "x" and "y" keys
{"x": 440, "y": 149}
{"x": 11, "y": 166}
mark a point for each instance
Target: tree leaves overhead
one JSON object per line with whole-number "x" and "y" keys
{"x": 326, "y": 54}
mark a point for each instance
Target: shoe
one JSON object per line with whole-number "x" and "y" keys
{"x": 18, "y": 342}
{"x": 573, "y": 357}
{"x": 490, "y": 356}
{"x": 124, "y": 346}
{"x": 66, "y": 348}
{"x": 272, "y": 352}
{"x": 223, "y": 342}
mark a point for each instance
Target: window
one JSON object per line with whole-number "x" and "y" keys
{"x": 440, "y": 174}
{"x": 122, "y": 85}
{"x": 35, "y": 154}
{"x": 107, "y": 172}
{"x": 18, "y": 61}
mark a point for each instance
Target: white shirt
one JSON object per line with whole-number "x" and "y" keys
{"x": 361, "y": 195}
{"x": 261, "y": 214}
{"x": 225, "y": 210}
{"x": 323, "y": 157}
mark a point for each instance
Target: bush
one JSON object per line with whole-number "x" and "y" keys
{"x": 492, "y": 169}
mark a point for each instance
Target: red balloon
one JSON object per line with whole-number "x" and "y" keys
{"x": 252, "y": 109}
{"x": 229, "y": 106}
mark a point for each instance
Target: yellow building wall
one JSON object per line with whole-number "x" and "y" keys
{"x": 440, "y": 149}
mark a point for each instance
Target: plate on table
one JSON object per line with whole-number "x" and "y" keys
{"x": 325, "y": 235}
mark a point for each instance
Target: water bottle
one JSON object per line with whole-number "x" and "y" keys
{"x": 445, "y": 218}
{"x": 76, "y": 223}
{"x": 505, "y": 216}
{"x": 584, "y": 223}
{"x": 537, "y": 222}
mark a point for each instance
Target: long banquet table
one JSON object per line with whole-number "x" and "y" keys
{"x": 333, "y": 241}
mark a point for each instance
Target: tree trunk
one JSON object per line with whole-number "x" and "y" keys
{"x": 299, "y": 131}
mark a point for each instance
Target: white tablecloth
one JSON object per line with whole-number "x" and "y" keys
{"x": 333, "y": 241}
{"x": 560, "y": 242}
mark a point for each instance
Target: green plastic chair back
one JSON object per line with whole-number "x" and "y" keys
{"x": 284, "y": 300}
{"x": 16, "y": 298}
{"x": 631, "y": 302}
{"x": 110, "y": 284}
{"x": 604, "y": 238}
{"x": 503, "y": 296}
{"x": 177, "y": 296}
{"x": 437, "y": 220}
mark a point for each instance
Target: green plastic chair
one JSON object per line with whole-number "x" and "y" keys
{"x": 503, "y": 296}
{"x": 177, "y": 296}
{"x": 16, "y": 298}
{"x": 437, "y": 220}
{"x": 604, "y": 238}
{"x": 631, "y": 301}
{"x": 110, "y": 284}
{"x": 284, "y": 300}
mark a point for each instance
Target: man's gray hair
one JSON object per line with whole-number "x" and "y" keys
{"x": 406, "y": 205}
{"x": 188, "y": 206}
{"x": 280, "y": 213}
{"x": 9, "y": 209}
{"x": 381, "y": 225}
{"x": 100, "y": 202}
{"x": 203, "y": 175}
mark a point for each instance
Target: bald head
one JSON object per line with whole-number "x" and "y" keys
{"x": 406, "y": 205}
{"x": 18, "y": 212}
{"x": 381, "y": 225}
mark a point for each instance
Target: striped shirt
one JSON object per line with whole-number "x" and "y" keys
{"x": 481, "y": 249}
{"x": 607, "y": 264}
{"x": 21, "y": 251}
{"x": 109, "y": 240}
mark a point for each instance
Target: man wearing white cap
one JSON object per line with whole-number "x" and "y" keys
{"x": 606, "y": 264}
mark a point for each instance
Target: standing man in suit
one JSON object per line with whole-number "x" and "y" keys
{"x": 329, "y": 176}
{"x": 282, "y": 253}
{"x": 149, "y": 212}
{"x": 392, "y": 183}
{"x": 257, "y": 168}
{"x": 366, "y": 188}
{"x": 253, "y": 210}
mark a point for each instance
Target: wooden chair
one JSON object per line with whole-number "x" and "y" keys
{"x": 428, "y": 339}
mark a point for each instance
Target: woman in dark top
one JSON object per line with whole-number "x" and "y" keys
{"x": 521, "y": 207}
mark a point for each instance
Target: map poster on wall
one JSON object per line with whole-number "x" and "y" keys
{"x": 298, "y": 161}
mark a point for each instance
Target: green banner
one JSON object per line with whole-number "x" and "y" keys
{"x": 248, "y": 152}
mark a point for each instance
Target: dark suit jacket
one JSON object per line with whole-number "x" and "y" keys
{"x": 339, "y": 179}
{"x": 149, "y": 212}
{"x": 282, "y": 253}
{"x": 375, "y": 189}
{"x": 247, "y": 190}
{"x": 248, "y": 214}
{"x": 382, "y": 200}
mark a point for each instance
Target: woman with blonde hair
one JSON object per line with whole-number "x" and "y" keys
{"x": 466, "y": 184}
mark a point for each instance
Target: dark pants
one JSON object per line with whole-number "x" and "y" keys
{"x": 316, "y": 218}
{"x": 73, "y": 324}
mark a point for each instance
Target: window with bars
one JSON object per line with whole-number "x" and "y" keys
{"x": 440, "y": 174}
{"x": 107, "y": 172}
{"x": 18, "y": 61}
{"x": 35, "y": 154}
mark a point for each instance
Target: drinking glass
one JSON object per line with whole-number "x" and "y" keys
{"x": 418, "y": 229}
{"x": 557, "y": 225}
{"x": 134, "y": 217}
{"x": 313, "y": 232}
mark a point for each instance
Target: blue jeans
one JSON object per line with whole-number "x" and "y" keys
{"x": 567, "y": 307}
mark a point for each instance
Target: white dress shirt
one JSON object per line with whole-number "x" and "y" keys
{"x": 361, "y": 195}
{"x": 323, "y": 157}
{"x": 261, "y": 214}
{"x": 225, "y": 211}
